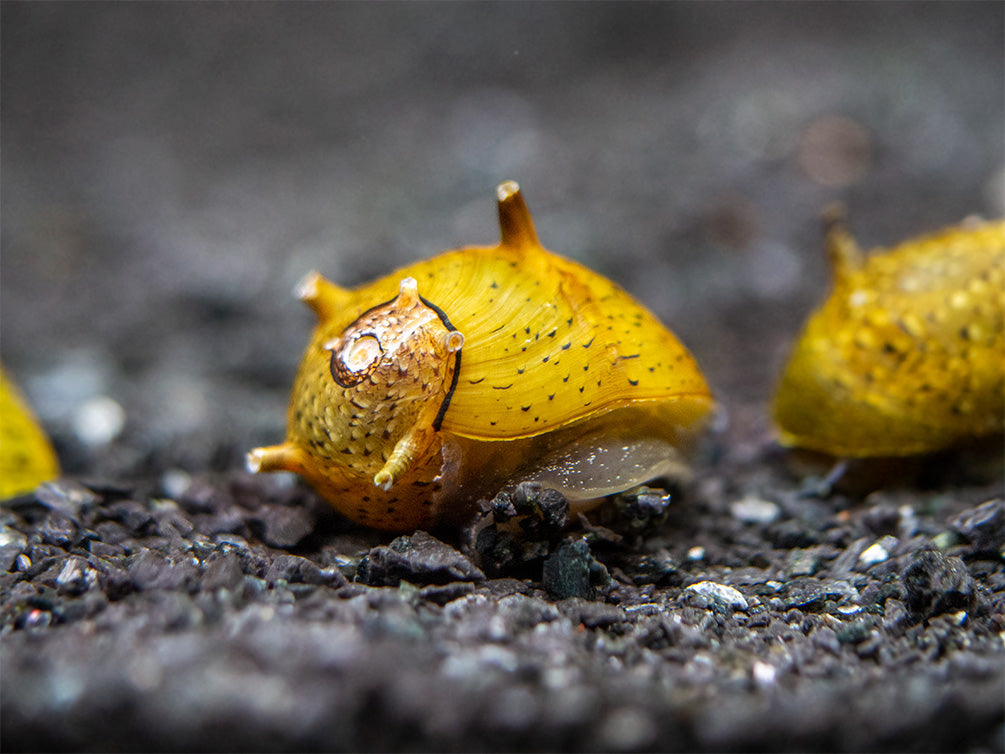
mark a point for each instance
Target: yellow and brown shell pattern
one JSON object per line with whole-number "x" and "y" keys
{"x": 446, "y": 380}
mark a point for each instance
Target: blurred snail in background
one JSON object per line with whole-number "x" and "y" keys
{"x": 907, "y": 354}
{"x": 449, "y": 379}
{"x": 26, "y": 455}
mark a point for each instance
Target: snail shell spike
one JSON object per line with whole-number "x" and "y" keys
{"x": 514, "y": 217}
{"x": 320, "y": 294}
{"x": 844, "y": 253}
{"x": 283, "y": 457}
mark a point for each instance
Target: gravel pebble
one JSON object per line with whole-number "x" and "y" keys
{"x": 983, "y": 526}
{"x": 418, "y": 558}
{"x": 719, "y": 595}
{"x": 752, "y": 510}
{"x": 937, "y": 584}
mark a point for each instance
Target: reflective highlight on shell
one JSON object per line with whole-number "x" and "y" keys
{"x": 907, "y": 354}
{"x": 485, "y": 366}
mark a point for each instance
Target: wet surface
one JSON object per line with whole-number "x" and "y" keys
{"x": 170, "y": 171}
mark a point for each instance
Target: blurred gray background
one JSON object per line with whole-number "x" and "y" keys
{"x": 169, "y": 171}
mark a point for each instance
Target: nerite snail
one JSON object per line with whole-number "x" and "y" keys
{"x": 907, "y": 354}
{"x": 484, "y": 366}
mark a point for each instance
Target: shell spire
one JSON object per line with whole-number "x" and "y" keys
{"x": 842, "y": 250}
{"x": 514, "y": 217}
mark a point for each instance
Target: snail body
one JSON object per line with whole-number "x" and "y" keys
{"x": 450, "y": 378}
{"x": 907, "y": 354}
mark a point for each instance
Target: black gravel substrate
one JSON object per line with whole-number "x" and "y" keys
{"x": 240, "y": 616}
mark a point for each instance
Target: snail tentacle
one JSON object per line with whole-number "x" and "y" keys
{"x": 284, "y": 457}
{"x": 320, "y": 294}
{"x": 403, "y": 457}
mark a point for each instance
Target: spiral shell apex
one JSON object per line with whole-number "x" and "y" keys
{"x": 451, "y": 378}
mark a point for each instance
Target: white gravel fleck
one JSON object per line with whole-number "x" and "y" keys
{"x": 764, "y": 673}
{"x": 696, "y": 553}
{"x": 174, "y": 482}
{"x": 873, "y": 554}
{"x": 752, "y": 510}
{"x": 98, "y": 421}
{"x": 719, "y": 593}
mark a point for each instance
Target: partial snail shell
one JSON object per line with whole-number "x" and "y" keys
{"x": 907, "y": 354}
{"x": 26, "y": 455}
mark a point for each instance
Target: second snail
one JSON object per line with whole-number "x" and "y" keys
{"x": 907, "y": 354}
{"x": 443, "y": 382}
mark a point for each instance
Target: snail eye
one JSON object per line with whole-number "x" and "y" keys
{"x": 453, "y": 341}
{"x": 354, "y": 360}
{"x": 362, "y": 353}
